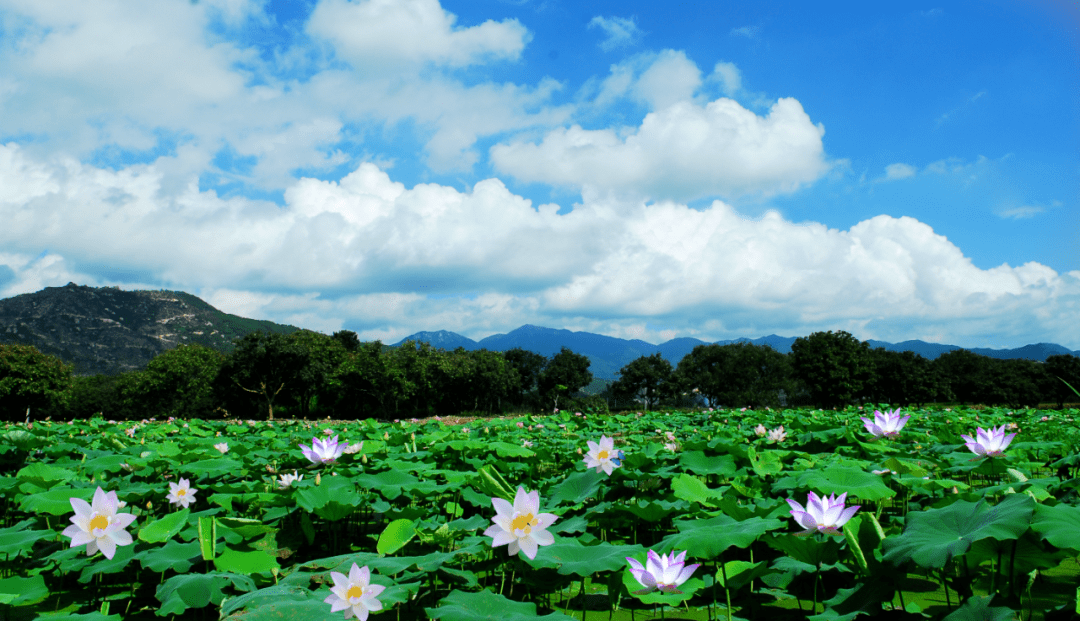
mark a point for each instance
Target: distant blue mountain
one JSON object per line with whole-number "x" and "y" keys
{"x": 608, "y": 354}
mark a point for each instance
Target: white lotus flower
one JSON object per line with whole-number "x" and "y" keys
{"x": 777, "y": 435}
{"x": 603, "y": 456}
{"x": 521, "y": 525}
{"x": 181, "y": 494}
{"x": 99, "y": 526}
{"x": 288, "y": 479}
{"x": 354, "y": 593}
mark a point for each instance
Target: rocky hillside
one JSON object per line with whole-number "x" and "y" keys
{"x": 106, "y": 330}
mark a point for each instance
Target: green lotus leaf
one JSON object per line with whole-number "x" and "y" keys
{"x": 44, "y": 475}
{"x": 179, "y": 593}
{"x": 978, "y": 609}
{"x": 1060, "y": 525}
{"x": 56, "y": 501}
{"x": 102, "y": 565}
{"x": 254, "y": 562}
{"x": 934, "y": 536}
{"x": 17, "y": 591}
{"x": 279, "y": 601}
{"x": 395, "y": 536}
{"x": 570, "y": 557}
{"x": 216, "y": 467}
{"x": 487, "y": 606}
{"x": 700, "y": 463}
{"x": 164, "y": 529}
{"x": 692, "y": 489}
{"x": 706, "y": 539}
{"x": 576, "y": 488}
{"x": 16, "y": 539}
{"x": 173, "y": 555}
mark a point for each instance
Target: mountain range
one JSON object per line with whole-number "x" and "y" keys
{"x": 107, "y": 330}
{"x": 609, "y": 354}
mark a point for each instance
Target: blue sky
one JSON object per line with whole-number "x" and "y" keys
{"x": 636, "y": 169}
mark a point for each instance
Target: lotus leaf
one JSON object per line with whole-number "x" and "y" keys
{"x": 934, "y": 536}
{"x": 165, "y": 528}
{"x": 707, "y": 539}
{"x": 254, "y": 562}
{"x": 1060, "y": 525}
{"x": 487, "y": 606}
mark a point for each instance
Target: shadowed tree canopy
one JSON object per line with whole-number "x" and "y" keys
{"x": 565, "y": 369}
{"x": 649, "y": 377}
{"x": 267, "y": 366}
{"x": 31, "y": 379}
{"x": 834, "y": 367}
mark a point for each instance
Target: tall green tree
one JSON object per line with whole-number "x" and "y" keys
{"x": 265, "y": 369}
{"x": 903, "y": 378}
{"x": 528, "y": 366}
{"x": 495, "y": 380}
{"x": 834, "y": 367}
{"x": 417, "y": 363}
{"x": 323, "y": 355}
{"x": 649, "y": 377}
{"x": 1062, "y": 368}
{"x": 967, "y": 375}
{"x": 31, "y": 380}
{"x": 348, "y": 339}
{"x": 565, "y": 374}
{"x": 113, "y": 397}
{"x": 180, "y": 382}
{"x": 365, "y": 384}
{"x": 704, "y": 369}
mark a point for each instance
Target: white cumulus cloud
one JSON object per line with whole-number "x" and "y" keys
{"x": 682, "y": 152}
{"x": 366, "y": 252}
{"x": 384, "y": 34}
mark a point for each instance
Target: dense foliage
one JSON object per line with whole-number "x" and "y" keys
{"x": 251, "y": 521}
{"x": 310, "y": 375}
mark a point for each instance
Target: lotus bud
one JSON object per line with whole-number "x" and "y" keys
{"x": 149, "y": 505}
{"x": 318, "y": 478}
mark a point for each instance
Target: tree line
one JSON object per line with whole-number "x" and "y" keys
{"x": 311, "y": 375}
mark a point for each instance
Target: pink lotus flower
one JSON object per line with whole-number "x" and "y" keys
{"x": 825, "y": 514}
{"x": 665, "y": 573}
{"x": 989, "y": 443}
{"x": 323, "y": 451}
{"x": 888, "y": 424}
{"x": 760, "y": 431}
{"x": 99, "y": 526}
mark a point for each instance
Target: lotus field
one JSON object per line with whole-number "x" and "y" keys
{"x": 726, "y": 514}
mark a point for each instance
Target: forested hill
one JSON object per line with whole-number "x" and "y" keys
{"x": 106, "y": 330}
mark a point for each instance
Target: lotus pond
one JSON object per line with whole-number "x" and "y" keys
{"x": 704, "y": 515}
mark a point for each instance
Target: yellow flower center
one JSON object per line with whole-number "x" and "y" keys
{"x": 354, "y": 591}
{"x": 99, "y": 521}
{"x": 525, "y": 522}
{"x": 602, "y": 455}
{"x": 181, "y": 492}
